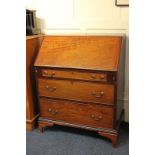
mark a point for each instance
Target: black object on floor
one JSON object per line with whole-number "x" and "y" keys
{"x": 60, "y": 140}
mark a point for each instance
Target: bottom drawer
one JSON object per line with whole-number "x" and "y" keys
{"x": 91, "y": 115}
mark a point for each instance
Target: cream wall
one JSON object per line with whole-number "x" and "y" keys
{"x": 84, "y": 17}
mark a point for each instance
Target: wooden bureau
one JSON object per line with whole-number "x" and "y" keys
{"x": 80, "y": 83}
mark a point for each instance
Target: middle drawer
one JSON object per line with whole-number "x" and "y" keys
{"x": 75, "y": 90}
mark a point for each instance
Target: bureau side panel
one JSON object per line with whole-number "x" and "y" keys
{"x": 120, "y": 81}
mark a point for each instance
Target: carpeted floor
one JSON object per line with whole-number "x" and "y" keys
{"x": 60, "y": 140}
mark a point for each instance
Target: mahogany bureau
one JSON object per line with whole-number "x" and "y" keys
{"x": 79, "y": 82}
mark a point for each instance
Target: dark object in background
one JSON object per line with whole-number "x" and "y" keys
{"x": 31, "y": 23}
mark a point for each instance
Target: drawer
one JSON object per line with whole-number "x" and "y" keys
{"x": 102, "y": 77}
{"x": 98, "y": 116}
{"x": 76, "y": 90}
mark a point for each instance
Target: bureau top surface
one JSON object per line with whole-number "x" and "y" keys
{"x": 80, "y": 52}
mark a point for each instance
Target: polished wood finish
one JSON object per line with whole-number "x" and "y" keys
{"x": 75, "y": 90}
{"x": 32, "y": 46}
{"x": 43, "y": 124}
{"x": 78, "y": 81}
{"x": 112, "y": 136}
{"x": 78, "y": 113}
{"x": 78, "y": 75}
{"x": 89, "y": 52}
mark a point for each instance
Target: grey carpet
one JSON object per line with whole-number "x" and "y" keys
{"x": 60, "y": 140}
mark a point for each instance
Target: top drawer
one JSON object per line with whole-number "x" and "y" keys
{"x": 78, "y": 75}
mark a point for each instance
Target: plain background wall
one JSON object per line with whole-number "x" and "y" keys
{"x": 85, "y": 17}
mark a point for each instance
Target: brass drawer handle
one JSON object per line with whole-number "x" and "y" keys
{"x": 48, "y": 74}
{"x": 92, "y": 116}
{"x": 102, "y": 77}
{"x": 53, "y": 73}
{"x": 99, "y": 95}
{"x": 93, "y": 76}
{"x": 49, "y": 110}
{"x": 52, "y": 112}
{"x": 45, "y": 73}
{"x": 96, "y": 118}
{"x": 50, "y": 89}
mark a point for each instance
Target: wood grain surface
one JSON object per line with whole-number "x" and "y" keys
{"x": 77, "y": 113}
{"x": 32, "y": 46}
{"x": 95, "y": 52}
{"x": 78, "y": 82}
{"x": 75, "y": 90}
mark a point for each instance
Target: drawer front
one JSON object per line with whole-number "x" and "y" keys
{"x": 102, "y": 77}
{"x": 77, "y": 113}
{"x": 75, "y": 90}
